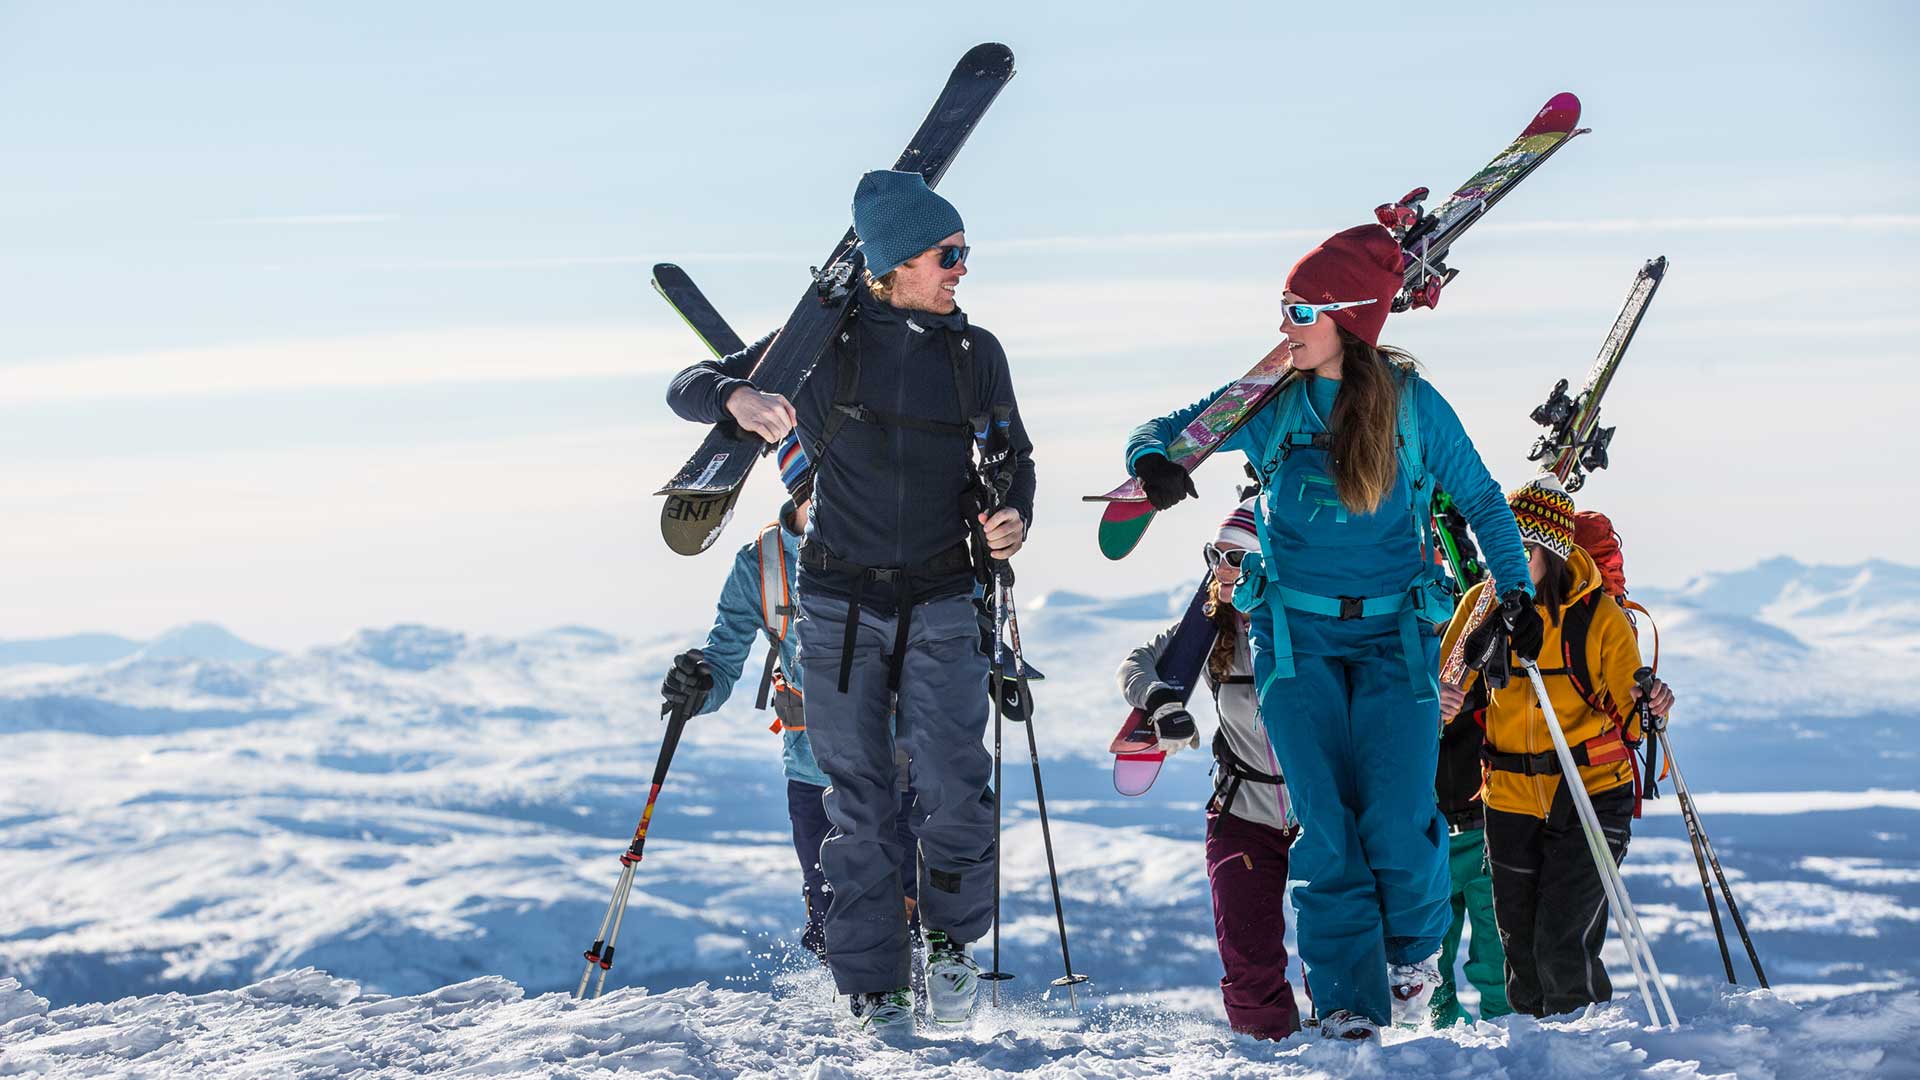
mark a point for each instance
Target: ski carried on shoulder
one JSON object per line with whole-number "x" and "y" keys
{"x": 692, "y": 305}
{"x": 1136, "y": 764}
{"x": 1574, "y": 443}
{"x": 696, "y": 523}
{"x": 1426, "y": 238}
{"x": 701, "y": 495}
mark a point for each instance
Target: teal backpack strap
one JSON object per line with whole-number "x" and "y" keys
{"x": 1421, "y": 603}
{"x": 1288, "y": 407}
{"x": 1413, "y": 464}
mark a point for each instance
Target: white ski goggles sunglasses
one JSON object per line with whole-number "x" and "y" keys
{"x": 1308, "y": 314}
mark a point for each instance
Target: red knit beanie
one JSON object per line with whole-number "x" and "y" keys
{"x": 1361, "y": 263}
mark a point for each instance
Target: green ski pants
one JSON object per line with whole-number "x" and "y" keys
{"x": 1472, "y": 897}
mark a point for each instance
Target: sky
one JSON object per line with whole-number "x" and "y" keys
{"x": 325, "y": 316}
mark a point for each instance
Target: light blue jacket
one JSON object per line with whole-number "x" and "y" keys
{"x": 735, "y": 624}
{"x": 1372, "y": 558}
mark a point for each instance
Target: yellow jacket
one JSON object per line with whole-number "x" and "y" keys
{"x": 1515, "y": 724}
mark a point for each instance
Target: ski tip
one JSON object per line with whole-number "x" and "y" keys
{"x": 1560, "y": 114}
{"x": 987, "y": 58}
{"x": 1656, "y": 267}
{"x": 666, "y": 268}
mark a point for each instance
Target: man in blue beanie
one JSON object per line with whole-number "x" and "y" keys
{"x": 887, "y": 619}
{"x": 887, "y": 627}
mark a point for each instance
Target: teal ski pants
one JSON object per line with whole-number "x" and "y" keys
{"x": 1472, "y": 898}
{"x": 1359, "y": 754}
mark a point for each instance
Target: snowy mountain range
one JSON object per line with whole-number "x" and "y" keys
{"x": 415, "y": 807}
{"x": 201, "y": 641}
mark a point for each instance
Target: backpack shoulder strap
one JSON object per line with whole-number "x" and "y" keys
{"x": 1287, "y": 407}
{"x": 1576, "y": 626}
{"x": 846, "y": 384}
{"x": 776, "y": 601}
{"x": 1413, "y": 462}
{"x": 965, "y": 391}
{"x": 1631, "y": 606}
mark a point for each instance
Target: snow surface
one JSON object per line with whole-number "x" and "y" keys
{"x": 306, "y": 1023}
{"x": 431, "y": 814}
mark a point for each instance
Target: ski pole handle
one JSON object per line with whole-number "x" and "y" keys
{"x": 1643, "y": 678}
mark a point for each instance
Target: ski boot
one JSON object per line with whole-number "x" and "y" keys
{"x": 1347, "y": 1026}
{"x": 884, "y": 1013}
{"x": 1412, "y": 986}
{"x": 952, "y": 980}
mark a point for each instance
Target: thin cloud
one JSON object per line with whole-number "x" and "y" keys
{"x": 306, "y": 219}
{"x": 518, "y": 354}
{"x": 1245, "y": 238}
{"x": 1723, "y": 223}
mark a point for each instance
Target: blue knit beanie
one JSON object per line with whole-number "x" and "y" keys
{"x": 897, "y": 216}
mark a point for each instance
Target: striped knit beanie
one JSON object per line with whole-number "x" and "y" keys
{"x": 1544, "y": 512}
{"x": 1237, "y": 530}
{"x": 796, "y": 472}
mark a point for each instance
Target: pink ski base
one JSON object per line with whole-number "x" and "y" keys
{"x": 1133, "y": 774}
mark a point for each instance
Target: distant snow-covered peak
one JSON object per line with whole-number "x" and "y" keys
{"x": 1872, "y": 603}
{"x": 202, "y": 641}
{"x": 408, "y": 647}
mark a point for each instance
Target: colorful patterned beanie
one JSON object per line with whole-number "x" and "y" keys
{"x": 1544, "y": 512}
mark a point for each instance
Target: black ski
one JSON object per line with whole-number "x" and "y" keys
{"x": 676, "y": 288}
{"x": 701, "y": 495}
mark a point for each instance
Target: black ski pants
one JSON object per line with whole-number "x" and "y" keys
{"x": 1549, "y": 902}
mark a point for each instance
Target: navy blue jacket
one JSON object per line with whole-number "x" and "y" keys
{"x": 891, "y": 496}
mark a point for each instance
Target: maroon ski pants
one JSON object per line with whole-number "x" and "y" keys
{"x": 1247, "y": 869}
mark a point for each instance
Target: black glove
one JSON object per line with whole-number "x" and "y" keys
{"x": 1172, "y": 723}
{"x": 1165, "y": 482}
{"x": 1526, "y": 631}
{"x": 688, "y": 682}
{"x": 1515, "y": 627}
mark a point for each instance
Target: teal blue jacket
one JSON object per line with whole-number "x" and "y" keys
{"x": 1314, "y": 551}
{"x": 736, "y": 623}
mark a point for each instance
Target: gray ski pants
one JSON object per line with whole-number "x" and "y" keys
{"x": 942, "y": 708}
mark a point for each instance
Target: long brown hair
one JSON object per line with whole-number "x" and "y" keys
{"x": 1364, "y": 424}
{"x": 1555, "y": 586}
{"x": 1226, "y": 619}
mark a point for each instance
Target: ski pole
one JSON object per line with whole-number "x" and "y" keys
{"x": 629, "y": 859}
{"x": 1655, "y": 727}
{"x": 1691, "y": 811}
{"x": 990, "y": 438}
{"x": 1626, "y": 920}
{"x": 995, "y": 977}
{"x": 1005, "y": 594}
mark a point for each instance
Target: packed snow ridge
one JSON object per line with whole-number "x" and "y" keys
{"x": 309, "y": 1024}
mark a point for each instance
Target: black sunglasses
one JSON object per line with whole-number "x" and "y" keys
{"x": 952, "y": 255}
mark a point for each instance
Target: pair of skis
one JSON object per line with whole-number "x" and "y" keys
{"x": 1426, "y": 241}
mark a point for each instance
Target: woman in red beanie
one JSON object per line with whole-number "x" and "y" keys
{"x": 1344, "y": 596}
